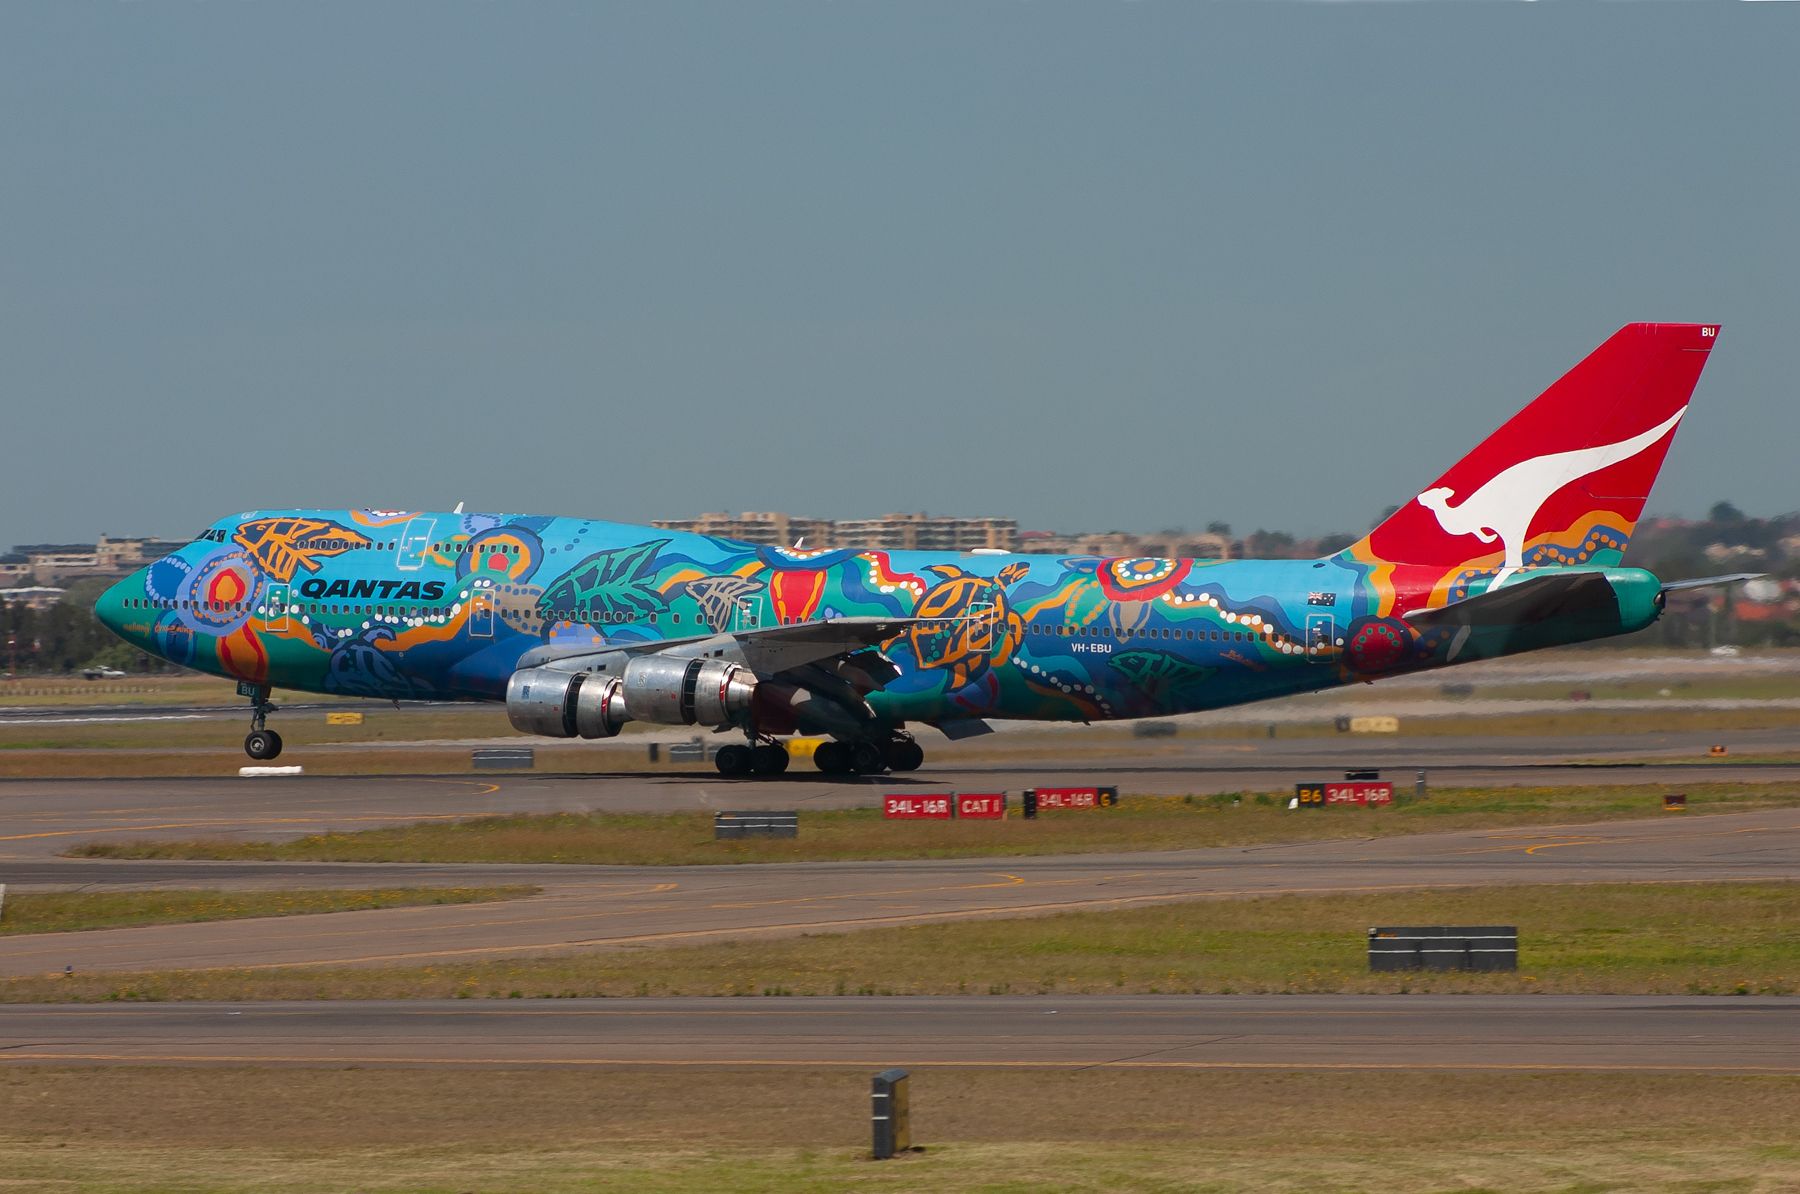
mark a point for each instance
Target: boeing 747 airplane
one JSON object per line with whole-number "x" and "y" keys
{"x": 579, "y": 626}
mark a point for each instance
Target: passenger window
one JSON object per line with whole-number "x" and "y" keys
{"x": 676, "y": 618}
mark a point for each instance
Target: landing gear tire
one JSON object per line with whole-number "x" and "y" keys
{"x": 904, "y": 756}
{"x": 833, "y": 758}
{"x": 733, "y": 760}
{"x": 769, "y": 760}
{"x": 262, "y": 744}
{"x": 867, "y": 759}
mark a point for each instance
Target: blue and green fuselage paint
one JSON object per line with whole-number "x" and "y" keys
{"x": 423, "y": 606}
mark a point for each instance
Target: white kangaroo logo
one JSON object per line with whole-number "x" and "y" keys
{"x": 1504, "y": 507}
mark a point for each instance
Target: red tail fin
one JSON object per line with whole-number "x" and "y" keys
{"x": 1565, "y": 480}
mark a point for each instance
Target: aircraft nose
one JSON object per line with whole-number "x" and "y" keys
{"x": 110, "y": 608}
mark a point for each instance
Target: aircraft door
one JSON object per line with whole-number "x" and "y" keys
{"x": 410, "y": 555}
{"x": 746, "y": 613}
{"x": 1321, "y": 638}
{"x": 275, "y": 608}
{"x": 981, "y": 626}
{"x": 481, "y": 609}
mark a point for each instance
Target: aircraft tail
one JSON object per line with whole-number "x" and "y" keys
{"x": 1564, "y": 481}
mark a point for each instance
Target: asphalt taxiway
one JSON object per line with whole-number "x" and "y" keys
{"x": 40, "y": 817}
{"x": 1758, "y": 1035}
{"x": 585, "y": 908}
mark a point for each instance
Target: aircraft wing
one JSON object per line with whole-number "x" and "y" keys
{"x": 765, "y": 650}
{"x": 1535, "y": 600}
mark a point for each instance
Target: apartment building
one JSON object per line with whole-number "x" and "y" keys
{"x": 891, "y": 532}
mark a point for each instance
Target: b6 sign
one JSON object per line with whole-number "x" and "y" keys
{"x": 1361, "y": 792}
{"x": 916, "y": 808}
{"x": 982, "y": 806}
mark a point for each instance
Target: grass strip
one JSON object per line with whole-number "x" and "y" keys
{"x": 800, "y": 1131}
{"x": 62, "y": 912}
{"x": 1677, "y": 938}
{"x": 1139, "y": 823}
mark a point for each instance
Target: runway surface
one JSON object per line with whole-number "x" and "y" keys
{"x": 1467, "y": 1032}
{"x": 586, "y": 908}
{"x": 42, "y": 817}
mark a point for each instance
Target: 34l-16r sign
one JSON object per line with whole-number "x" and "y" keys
{"x": 946, "y": 806}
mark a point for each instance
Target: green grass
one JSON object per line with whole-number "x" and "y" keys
{"x": 1609, "y": 939}
{"x": 1140, "y": 823}
{"x": 63, "y": 912}
{"x": 805, "y": 1131}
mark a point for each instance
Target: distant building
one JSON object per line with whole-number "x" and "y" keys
{"x": 128, "y": 555}
{"x": 892, "y": 532}
{"x": 14, "y": 569}
{"x": 1118, "y": 544}
{"x": 52, "y": 562}
{"x": 38, "y": 597}
{"x": 921, "y": 532}
{"x": 766, "y": 527}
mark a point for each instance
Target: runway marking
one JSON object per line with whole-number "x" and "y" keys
{"x": 1642, "y": 839}
{"x": 19, "y": 837}
{"x": 715, "y": 1063}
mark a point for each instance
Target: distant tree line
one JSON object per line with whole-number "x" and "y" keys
{"x": 67, "y": 636}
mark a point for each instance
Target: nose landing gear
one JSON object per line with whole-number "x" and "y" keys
{"x": 261, "y": 743}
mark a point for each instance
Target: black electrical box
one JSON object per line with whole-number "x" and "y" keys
{"x": 1445, "y": 947}
{"x": 731, "y": 826}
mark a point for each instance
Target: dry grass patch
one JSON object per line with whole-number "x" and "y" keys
{"x": 1713, "y": 938}
{"x": 1140, "y": 823}
{"x": 297, "y": 1131}
{"x": 69, "y": 911}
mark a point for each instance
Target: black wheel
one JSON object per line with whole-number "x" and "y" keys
{"x": 769, "y": 760}
{"x": 904, "y": 755}
{"x": 262, "y": 744}
{"x": 733, "y": 760}
{"x": 866, "y": 758}
{"x": 833, "y": 758}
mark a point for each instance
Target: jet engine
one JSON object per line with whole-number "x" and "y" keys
{"x": 541, "y": 700}
{"x": 685, "y": 692}
{"x": 658, "y": 688}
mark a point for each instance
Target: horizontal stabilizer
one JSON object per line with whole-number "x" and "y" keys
{"x": 1707, "y": 582}
{"x": 1525, "y": 603}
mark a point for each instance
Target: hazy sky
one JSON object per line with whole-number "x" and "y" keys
{"x": 1088, "y": 265}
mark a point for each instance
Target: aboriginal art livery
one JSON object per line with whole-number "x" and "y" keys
{"x": 579, "y": 625}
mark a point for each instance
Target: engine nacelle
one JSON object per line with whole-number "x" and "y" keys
{"x": 556, "y": 704}
{"x": 685, "y": 692}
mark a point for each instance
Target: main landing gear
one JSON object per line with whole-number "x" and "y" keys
{"x": 899, "y": 753}
{"x": 770, "y": 758}
{"x": 261, "y": 743}
{"x": 869, "y": 758}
